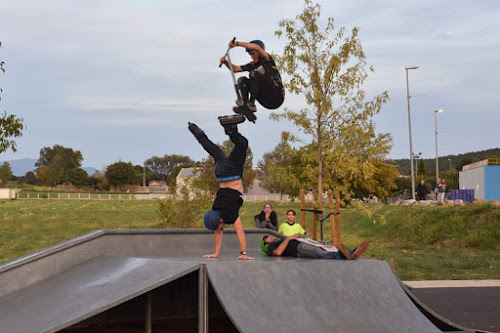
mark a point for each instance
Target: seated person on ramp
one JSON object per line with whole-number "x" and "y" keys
{"x": 229, "y": 172}
{"x": 267, "y": 218}
{"x": 295, "y": 246}
{"x": 290, "y": 228}
{"x": 264, "y": 82}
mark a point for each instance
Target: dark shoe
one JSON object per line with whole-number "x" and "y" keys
{"x": 230, "y": 123}
{"x": 193, "y": 128}
{"x": 362, "y": 247}
{"x": 251, "y": 106}
{"x": 345, "y": 251}
{"x": 240, "y": 102}
{"x": 246, "y": 111}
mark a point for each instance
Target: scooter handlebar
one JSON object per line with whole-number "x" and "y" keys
{"x": 234, "y": 38}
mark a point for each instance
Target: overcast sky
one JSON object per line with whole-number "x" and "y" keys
{"x": 119, "y": 80}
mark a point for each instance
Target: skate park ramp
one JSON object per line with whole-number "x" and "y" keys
{"x": 90, "y": 279}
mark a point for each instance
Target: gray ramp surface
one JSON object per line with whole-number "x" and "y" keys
{"x": 83, "y": 291}
{"x": 316, "y": 296}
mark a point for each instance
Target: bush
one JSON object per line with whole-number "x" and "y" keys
{"x": 185, "y": 209}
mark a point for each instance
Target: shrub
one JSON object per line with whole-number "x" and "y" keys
{"x": 185, "y": 209}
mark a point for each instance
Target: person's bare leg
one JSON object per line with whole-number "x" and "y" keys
{"x": 218, "y": 233}
{"x": 362, "y": 247}
{"x": 240, "y": 233}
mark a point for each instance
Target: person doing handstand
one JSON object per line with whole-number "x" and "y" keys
{"x": 229, "y": 173}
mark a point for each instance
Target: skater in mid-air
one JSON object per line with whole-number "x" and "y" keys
{"x": 264, "y": 82}
{"x": 229, "y": 173}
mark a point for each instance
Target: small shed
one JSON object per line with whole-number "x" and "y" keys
{"x": 483, "y": 177}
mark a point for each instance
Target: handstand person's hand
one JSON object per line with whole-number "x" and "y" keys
{"x": 245, "y": 257}
{"x": 213, "y": 255}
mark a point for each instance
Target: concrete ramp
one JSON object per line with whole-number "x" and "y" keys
{"x": 83, "y": 291}
{"x": 316, "y": 296}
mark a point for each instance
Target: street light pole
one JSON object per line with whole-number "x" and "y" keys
{"x": 409, "y": 131}
{"x": 436, "y": 134}
{"x": 450, "y": 163}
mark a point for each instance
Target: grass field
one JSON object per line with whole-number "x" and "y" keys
{"x": 420, "y": 243}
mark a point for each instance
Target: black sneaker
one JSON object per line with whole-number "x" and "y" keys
{"x": 251, "y": 106}
{"x": 240, "y": 102}
{"x": 193, "y": 128}
{"x": 234, "y": 119}
{"x": 230, "y": 123}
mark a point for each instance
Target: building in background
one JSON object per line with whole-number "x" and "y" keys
{"x": 483, "y": 177}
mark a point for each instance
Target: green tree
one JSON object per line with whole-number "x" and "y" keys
{"x": 55, "y": 162}
{"x": 329, "y": 70}
{"x": 422, "y": 168}
{"x": 121, "y": 173}
{"x": 205, "y": 170}
{"x": 162, "y": 168}
{"x": 77, "y": 176}
{"x": 278, "y": 170}
{"x": 10, "y": 126}
{"x": 5, "y": 174}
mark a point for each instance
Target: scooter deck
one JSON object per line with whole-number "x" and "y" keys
{"x": 244, "y": 110}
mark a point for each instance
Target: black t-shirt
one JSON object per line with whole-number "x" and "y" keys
{"x": 270, "y": 71}
{"x": 290, "y": 250}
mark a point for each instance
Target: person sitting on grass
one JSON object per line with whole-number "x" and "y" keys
{"x": 267, "y": 218}
{"x": 295, "y": 246}
{"x": 290, "y": 227}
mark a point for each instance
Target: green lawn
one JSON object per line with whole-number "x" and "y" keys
{"x": 420, "y": 243}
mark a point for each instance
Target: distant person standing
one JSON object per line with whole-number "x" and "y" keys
{"x": 422, "y": 190}
{"x": 440, "y": 190}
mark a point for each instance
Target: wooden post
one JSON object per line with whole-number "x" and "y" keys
{"x": 337, "y": 204}
{"x": 332, "y": 217}
{"x": 315, "y": 215}
{"x": 302, "y": 207}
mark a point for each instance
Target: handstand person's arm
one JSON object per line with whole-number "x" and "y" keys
{"x": 240, "y": 233}
{"x": 218, "y": 233}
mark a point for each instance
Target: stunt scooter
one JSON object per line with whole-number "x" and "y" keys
{"x": 242, "y": 107}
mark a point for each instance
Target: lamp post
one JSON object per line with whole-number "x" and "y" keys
{"x": 450, "y": 163}
{"x": 436, "y": 134}
{"x": 416, "y": 157}
{"x": 409, "y": 132}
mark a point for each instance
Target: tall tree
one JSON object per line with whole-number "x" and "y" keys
{"x": 328, "y": 69}
{"x": 205, "y": 178}
{"x": 10, "y": 126}
{"x": 278, "y": 170}
{"x": 55, "y": 163}
{"x": 121, "y": 173}
{"x": 77, "y": 177}
{"x": 5, "y": 174}
{"x": 163, "y": 168}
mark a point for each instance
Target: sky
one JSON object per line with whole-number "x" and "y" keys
{"x": 119, "y": 80}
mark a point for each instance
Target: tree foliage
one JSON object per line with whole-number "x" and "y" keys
{"x": 77, "y": 176}
{"x": 5, "y": 174}
{"x": 205, "y": 170}
{"x": 166, "y": 167}
{"x": 10, "y": 125}
{"x": 121, "y": 173}
{"x": 328, "y": 68}
{"x": 56, "y": 163}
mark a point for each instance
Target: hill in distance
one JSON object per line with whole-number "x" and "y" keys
{"x": 21, "y": 166}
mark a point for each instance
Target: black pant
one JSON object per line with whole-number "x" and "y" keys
{"x": 260, "y": 88}
{"x": 227, "y": 166}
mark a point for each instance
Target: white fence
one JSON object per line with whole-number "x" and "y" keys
{"x": 132, "y": 196}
